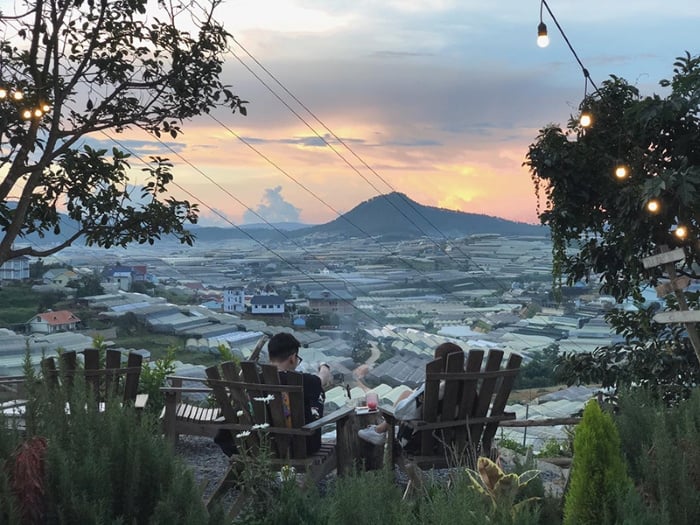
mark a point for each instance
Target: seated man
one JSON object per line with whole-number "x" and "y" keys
{"x": 283, "y": 352}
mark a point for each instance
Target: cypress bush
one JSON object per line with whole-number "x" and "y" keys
{"x": 661, "y": 445}
{"x": 101, "y": 467}
{"x": 599, "y": 479}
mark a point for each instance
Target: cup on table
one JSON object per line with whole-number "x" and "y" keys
{"x": 372, "y": 400}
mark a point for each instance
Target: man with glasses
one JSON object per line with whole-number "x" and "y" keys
{"x": 283, "y": 352}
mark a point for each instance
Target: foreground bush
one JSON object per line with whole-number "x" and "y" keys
{"x": 599, "y": 480}
{"x": 662, "y": 447}
{"x": 96, "y": 467}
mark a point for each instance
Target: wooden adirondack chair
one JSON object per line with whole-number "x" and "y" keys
{"x": 240, "y": 393}
{"x": 182, "y": 416}
{"x": 121, "y": 382}
{"x": 461, "y": 426}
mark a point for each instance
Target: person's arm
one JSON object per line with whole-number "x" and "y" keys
{"x": 408, "y": 409}
{"x": 324, "y": 373}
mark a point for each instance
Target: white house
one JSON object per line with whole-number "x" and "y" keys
{"x": 50, "y": 322}
{"x": 59, "y": 276}
{"x": 16, "y": 269}
{"x": 267, "y": 304}
{"x": 234, "y": 300}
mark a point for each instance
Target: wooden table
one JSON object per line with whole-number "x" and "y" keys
{"x": 353, "y": 452}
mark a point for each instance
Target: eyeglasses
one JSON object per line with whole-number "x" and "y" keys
{"x": 299, "y": 358}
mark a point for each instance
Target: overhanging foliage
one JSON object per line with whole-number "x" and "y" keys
{"x": 88, "y": 69}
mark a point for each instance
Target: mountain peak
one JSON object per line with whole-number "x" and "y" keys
{"x": 396, "y": 216}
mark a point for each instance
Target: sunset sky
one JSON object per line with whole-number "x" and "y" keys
{"x": 440, "y": 98}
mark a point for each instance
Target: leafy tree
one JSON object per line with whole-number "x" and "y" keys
{"x": 540, "y": 370}
{"x": 76, "y": 70}
{"x": 604, "y": 217}
{"x": 87, "y": 286}
{"x": 361, "y": 348}
{"x": 599, "y": 217}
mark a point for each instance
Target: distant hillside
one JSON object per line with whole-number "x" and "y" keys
{"x": 395, "y": 216}
{"x": 272, "y": 231}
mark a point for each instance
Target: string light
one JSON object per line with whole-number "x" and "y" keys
{"x": 621, "y": 172}
{"x": 681, "y": 231}
{"x": 542, "y": 37}
{"x": 11, "y": 94}
{"x": 585, "y": 120}
{"x": 653, "y": 206}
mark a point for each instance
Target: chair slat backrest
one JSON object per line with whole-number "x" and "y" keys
{"x": 473, "y": 403}
{"x": 431, "y": 401}
{"x": 488, "y": 385}
{"x": 245, "y": 392}
{"x": 469, "y": 397}
{"x": 500, "y": 400}
{"x": 105, "y": 383}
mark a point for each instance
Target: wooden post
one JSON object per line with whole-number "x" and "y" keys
{"x": 683, "y": 306}
{"x": 668, "y": 259}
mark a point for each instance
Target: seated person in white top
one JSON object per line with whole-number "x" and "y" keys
{"x": 408, "y": 406}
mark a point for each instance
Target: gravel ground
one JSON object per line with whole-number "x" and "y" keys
{"x": 205, "y": 458}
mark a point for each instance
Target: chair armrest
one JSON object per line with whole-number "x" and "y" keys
{"x": 185, "y": 378}
{"x": 184, "y": 389}
{"x": 333, "y": 417}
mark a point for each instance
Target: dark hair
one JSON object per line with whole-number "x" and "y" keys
{"x": 444, "y": 350}
{"x": 281, "y": 346}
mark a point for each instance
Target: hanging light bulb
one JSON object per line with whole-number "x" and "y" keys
{"x": 18, "y": 95}
{"x": 542, "y": 37}
{"x": 653, "y": 206}
{"x": 27, "y": 114}
{"x": 38, "y": 113}
{"x": 3, "y": 93}
{"x": 621, "y": 171}
{"x": 585, "y": 120}
{"x": 681, "y": 231}
{"x": 45, "y": 107}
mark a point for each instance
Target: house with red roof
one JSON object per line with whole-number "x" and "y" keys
{"x": 51, "y": 322}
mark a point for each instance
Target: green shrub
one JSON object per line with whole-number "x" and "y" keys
{"x": 661, "y": 445}
{"x": 598, "y": 475}
{"x": 153, "y": 377}
{"x": 367, "y": 497}
{"x": 106, "y": 467}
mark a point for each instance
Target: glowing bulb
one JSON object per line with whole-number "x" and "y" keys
{"x": 542, "y": 38}
{"x": 26, "y": 114}
{"x": 3, "y": 93}
{"x": 18, "y": 95}
{"x": 621, "y": 172}
{"x": 681, "y": 232}
{"x": 45, "y": 108}
{"x": 653, "y": 206}
{"x": 585, "y": 120}
{"x": 38, "y": 113}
